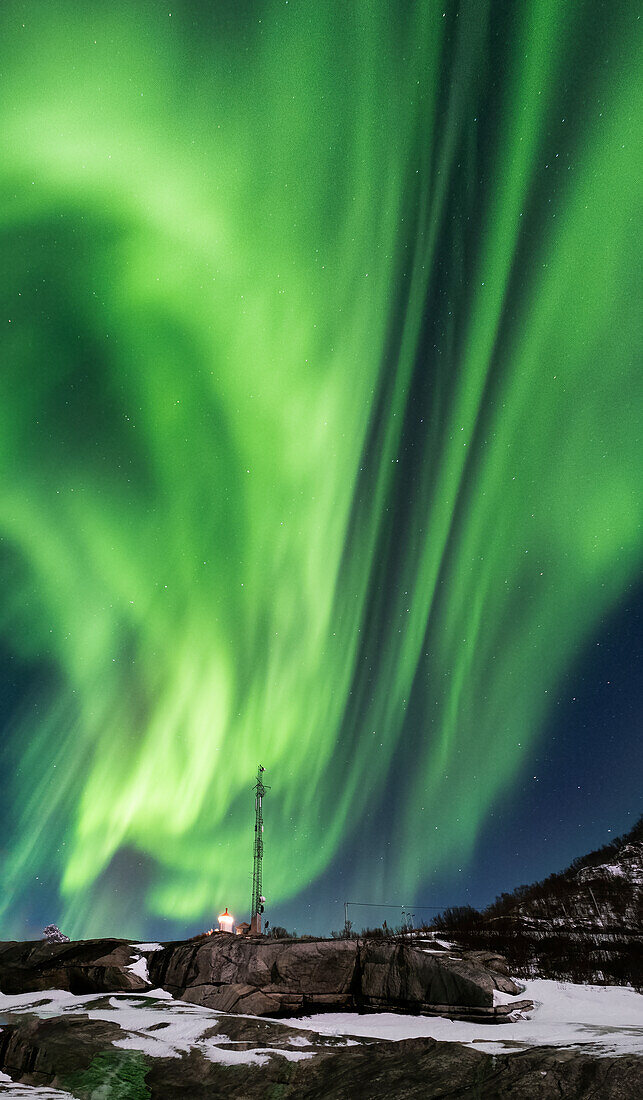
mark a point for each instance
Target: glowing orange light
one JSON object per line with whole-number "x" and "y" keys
{"x": 226, "y": 920}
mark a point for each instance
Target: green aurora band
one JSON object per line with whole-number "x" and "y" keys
{"x": 317, "y": 429}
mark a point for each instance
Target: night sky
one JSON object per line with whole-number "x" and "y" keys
{"x": 318, "y": 435}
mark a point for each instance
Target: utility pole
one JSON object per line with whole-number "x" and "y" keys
{"x": 257, "y": 866}
{"x": 598, "y": 912}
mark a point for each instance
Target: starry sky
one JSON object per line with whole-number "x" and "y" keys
{"x": 318, "y": 436}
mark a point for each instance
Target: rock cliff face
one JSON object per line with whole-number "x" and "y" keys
{"x": 406, "y": 977}
{"x": 84, "y": 966}
{"x": 285, "y": 977}
{"x": 257, "y": 976}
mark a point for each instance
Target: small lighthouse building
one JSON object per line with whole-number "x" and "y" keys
{"x": 226, "y": 921}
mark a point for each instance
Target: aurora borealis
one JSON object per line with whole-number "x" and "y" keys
{"x": 318, "y": 437}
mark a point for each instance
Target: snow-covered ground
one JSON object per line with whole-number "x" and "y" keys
{"x": 604, "y": 1019}
{"x": 153, "y": 1023}
{"x": 9, "y": 1090}
{"x": 608, "y": 1018}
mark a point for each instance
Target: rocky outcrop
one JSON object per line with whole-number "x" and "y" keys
{"x": 270, "y": 1060}
{"x": 50, "y": 1052}
{"x": 264, "y": 977}
{"x": 283, "y": 977}
{"x": 403, "y": 977}
{"x": 258, "y": 976}
{"x": 83, "y": 966}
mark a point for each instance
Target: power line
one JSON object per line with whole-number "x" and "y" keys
{"x": 389, "y": 905}
{"x": 405, "y": 910}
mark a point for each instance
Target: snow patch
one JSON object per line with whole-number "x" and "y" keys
{"x": 500, "y": 998}
{"x": 12, "y": 1090}
{"x": 606, "y": 1019}
{"x": 258, "y": 1056}
{"x": 139, "y": 968}
{"x": 47, "y": 1002}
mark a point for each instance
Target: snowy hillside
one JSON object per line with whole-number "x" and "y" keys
{"x": 583, "y": 924}
{"x": 603, "y": 888}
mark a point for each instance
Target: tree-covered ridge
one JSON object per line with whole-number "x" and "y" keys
{"x": 559, "y": 883}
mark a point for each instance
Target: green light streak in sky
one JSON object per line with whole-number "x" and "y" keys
{"x": 230, "y": 532}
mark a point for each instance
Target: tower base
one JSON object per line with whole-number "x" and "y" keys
{"x": 255, "y": 925}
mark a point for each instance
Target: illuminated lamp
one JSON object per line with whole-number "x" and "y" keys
{"x": 226, "y": 921}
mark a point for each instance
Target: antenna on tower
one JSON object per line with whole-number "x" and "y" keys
{"x": 257, "y": 866}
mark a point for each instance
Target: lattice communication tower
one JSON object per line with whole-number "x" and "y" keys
{"x": 257, "y": 866}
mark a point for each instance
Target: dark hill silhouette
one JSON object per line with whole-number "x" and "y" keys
{"x": 581, "y": 924}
